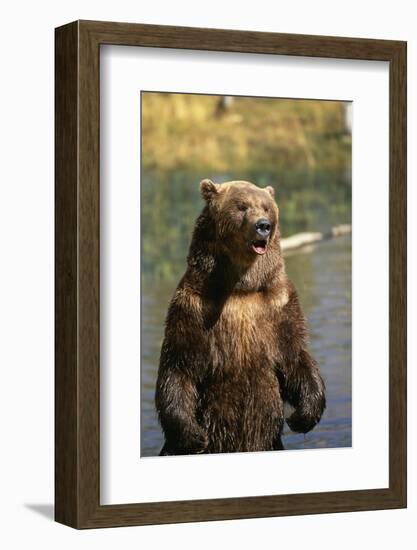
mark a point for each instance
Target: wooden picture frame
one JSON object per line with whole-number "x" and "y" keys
{"x": 77, "y": 374}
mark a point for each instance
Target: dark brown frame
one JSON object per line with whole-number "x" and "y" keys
{"x": 77, "y": 274}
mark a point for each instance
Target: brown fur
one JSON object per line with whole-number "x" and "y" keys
{"x": 235, "y": 338}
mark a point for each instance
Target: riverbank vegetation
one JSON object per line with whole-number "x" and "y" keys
{"x": 207, "y": 133}
{"x": 300, "y": 147}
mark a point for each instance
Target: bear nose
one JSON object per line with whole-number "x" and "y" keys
{"x": 263, "y": 227}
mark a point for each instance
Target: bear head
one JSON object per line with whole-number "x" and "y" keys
{"x": 245, "y": 217}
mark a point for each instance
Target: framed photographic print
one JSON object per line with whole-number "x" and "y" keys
{"x": 230, "y": 274}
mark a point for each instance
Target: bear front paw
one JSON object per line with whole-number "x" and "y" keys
{"x": 303, "y": 420}
{"x": 301, "y": 423}
{"x": 196, "y": 442}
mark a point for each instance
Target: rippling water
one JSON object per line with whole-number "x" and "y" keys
{"x": 322, "y": 276}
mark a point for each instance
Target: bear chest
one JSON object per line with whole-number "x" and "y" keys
{"x": 245, "y": 332}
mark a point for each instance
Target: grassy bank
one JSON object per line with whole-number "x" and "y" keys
{"x": 299, "y": 147}
{"x": 193, "y": 132}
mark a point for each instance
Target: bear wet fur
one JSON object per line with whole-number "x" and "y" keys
{"x": 235, "y": 338}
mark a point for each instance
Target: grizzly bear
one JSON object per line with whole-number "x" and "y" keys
{"x": 235, "y": 337}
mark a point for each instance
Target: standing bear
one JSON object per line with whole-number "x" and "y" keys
{"x": 235, "y": 338}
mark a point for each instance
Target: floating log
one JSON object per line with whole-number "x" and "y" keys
{"x": 304, "y": 239}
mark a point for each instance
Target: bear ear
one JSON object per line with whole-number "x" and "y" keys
{"x": 208, "y": 189}
{"x": 270, "y": 190}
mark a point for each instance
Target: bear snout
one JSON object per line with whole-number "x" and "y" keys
{"x": 263, "y": 227}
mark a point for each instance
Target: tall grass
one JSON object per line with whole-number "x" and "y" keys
{"x": 185, "y": 131}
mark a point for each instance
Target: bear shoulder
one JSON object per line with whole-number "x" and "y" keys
{"x": 184, "y": 313}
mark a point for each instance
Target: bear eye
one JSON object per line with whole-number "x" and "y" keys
{"x": 266, "y": 208}
{"x": 242, "y": 207}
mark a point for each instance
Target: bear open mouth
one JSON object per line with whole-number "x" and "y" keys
{"x": 260, "y": 246}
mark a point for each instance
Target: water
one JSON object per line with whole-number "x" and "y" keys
{"x": 322, "y": 277}
{"x": 309, "y": 201}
